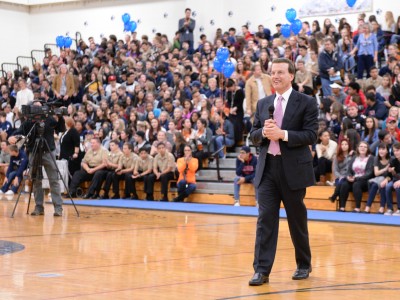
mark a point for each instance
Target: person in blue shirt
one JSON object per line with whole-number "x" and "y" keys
{"x": 367, "y": 47}
{"x": 246, "y": 164}
{"x": 164, "y": 75}
{"x": 375, "y": 109}
{"x": 18, "y": 164}
{"x": 5, "y": 126}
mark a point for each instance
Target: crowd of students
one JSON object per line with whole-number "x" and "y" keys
{"x": 135, "y": 104}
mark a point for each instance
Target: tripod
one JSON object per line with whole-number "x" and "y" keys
{"x": 40, "y": 147}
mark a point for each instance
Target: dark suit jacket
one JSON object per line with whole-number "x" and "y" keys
{"x": 301, "y": 122}
{"x": 186, "y": 31}
{"x": 70, "y": 140}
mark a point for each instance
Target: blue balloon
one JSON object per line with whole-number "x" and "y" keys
{"x": 127, "y": 27}
{"x": 223, "y": 54}
{"x": 132, "y": 26}
{"x": 218, "y": 64}
{"x": 126, "y": 18}
{"x": 285, "y": 30}
{"x": 228, "y": 68}
{"x": 296, "y": 26}
{"x": 60, "y": 41}
{"x": 291, "y": 14}
{"x": 67, "y": 42}
{"x": 157, "y": 112}
{"x": 351, "y": 2}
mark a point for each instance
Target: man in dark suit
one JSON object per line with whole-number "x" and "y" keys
{"x": 284, "y": 170}
{"x": 186, "y": 28}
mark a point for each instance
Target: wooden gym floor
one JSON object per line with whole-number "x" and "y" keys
{"x": 133, "y": 254}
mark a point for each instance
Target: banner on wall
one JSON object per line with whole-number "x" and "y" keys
{"x": 312, "y": 8}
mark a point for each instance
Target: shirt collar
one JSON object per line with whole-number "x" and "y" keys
{"x": 286, "y": 94}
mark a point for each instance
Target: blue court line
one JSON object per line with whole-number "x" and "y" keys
{"x": 250, "y": 211}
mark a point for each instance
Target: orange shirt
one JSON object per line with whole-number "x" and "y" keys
{"x": 190, "y": 168}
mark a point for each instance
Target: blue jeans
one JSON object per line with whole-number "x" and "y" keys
{"x": 326, "y": 89}
{"x": 395, "y": 39}
{"x": 219, "y": 142}
{"x": 389, "y": 196}
{"x": 236, "y": 189}
{"x": 372, "y": 191}
{"x": 10, "y": 178}
{"x": 186, "y": 188}
{"x": 365, "y": 62}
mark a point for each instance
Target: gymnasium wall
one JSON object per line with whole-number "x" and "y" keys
{"x": 26, "y": 28}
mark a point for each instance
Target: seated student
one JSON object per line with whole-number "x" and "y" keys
{"x": 161, "y": 138}
{"x": 326, "y": 150}
{"x": 394, "y": 182}
{"x": 141, "y": 172}
{"x": 370, "y": 134}
{"x": 381, "y": 179}
{"x": 187, "y": 167}
{"x": 224, "y": 134}
{"x": 202, "y": 138}
{"x": 163, "y": 169}
{"x": 5, "y": 127}
{"x": 18, "y": 164}
{"x": 122, "y": 172}
{"x": 383, "y": 137}
{"x": 361, "y": 168}
{"x": 340, "y": 167}
{"x": 92, "y": 162}
{"x": 111, "y": 164}
{"x": 246, "y": 164}
{"x": 4, "y": 157}
{"x": 375, "y": 109}
{"x": 140, "y": 142}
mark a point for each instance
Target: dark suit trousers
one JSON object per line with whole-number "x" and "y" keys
{"x": 272, "y": 190}
{"x": 79, "y": 177}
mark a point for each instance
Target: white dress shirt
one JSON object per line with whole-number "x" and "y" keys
{"x": 285, "y": 100}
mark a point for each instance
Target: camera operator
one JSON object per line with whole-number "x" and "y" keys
{"x": 51, "y": 124}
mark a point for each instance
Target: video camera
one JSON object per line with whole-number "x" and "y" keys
{"x": 41, "y": 112}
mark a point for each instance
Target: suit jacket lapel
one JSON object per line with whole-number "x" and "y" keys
{"x": 291, "y": 109}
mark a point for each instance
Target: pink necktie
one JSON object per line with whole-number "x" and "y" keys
{"x": 274, "y": 148}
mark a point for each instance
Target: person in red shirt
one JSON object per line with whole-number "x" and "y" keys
{"x": 353, "y": 90}
{"x": 392, "y": 128}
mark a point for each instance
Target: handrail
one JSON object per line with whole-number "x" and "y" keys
{"x": 216, "y": 156}
{"x": 10, "y": 67}
{"x": 32, "y": 60}
{"x": 38, "y": 55}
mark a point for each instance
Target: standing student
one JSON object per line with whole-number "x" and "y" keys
{"x": 284, "y": 170}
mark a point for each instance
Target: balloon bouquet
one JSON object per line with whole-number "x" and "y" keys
{"x": 295, "y": 24}
{"x": 63, "y": 42}
{"x": 128, "y": 24}
{"x": 223, "y": 65}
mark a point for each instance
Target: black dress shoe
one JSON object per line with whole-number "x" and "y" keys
{"x": 301, "y": 274}
{"x": 116, "y": 197}
{"x": 87, "y": 196}
{"x": 259, "y": 279}
{"x": 105, "y": 196}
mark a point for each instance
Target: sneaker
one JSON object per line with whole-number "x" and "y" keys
{"x": 1, "y": 192}
{"x": 236, "y": 203}
{"x": 397, "y": 213}
{"x": 58, "y": 212}
{"x": 330, "y": 183}
{"x": 37, "y": 212}
{"x": 389, "y": 212}
{"x": 10, "y": 193}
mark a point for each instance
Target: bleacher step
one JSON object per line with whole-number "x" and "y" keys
{"x": 224, "y": 163}
{"x": 205, "y": 174}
